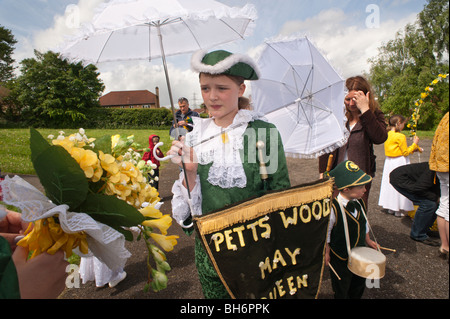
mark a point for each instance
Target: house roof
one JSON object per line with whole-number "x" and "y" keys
{"x": 119, "y": 98}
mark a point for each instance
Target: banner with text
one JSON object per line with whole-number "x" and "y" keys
{"x": 272, "y": 246}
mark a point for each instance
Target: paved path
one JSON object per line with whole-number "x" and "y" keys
{"x": 413, "y": 272}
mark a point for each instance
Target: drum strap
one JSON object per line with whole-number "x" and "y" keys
{"x": 347, "y": 237}
{"x": 370, "y": 227}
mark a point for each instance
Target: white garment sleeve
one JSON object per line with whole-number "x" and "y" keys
{"x": 331, "y": 223}
{"x": 180, "y": 201}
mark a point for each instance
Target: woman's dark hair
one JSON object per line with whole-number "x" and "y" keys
{"x": 359, "y": 83}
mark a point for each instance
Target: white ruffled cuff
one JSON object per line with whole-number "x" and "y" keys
{"x": 180, "y": 201}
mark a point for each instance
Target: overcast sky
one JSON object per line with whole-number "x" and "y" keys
{"x": 347, "y": 32}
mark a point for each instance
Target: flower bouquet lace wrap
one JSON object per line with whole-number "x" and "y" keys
{"x": 104, "y": 242}
{"x": 95, "y": 197}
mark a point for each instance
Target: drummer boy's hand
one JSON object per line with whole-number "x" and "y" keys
{"x": 370, "y": 243}
{"x": 327, "y": 255}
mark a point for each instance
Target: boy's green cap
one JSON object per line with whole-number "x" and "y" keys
{"x": 348, "y": 174}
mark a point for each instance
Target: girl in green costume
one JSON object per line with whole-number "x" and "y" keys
{"x": 220, "y": 154}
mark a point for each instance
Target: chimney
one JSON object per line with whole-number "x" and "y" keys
{"x": 157, "y": 97}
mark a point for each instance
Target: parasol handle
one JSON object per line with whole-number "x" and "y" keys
{"x": 262, "y": 166}
{"x": 168, "y": 157}
{"x": 330, "y": 162}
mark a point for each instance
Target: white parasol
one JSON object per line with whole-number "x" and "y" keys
{"x": 124, "y": 30}
{"x": 147, "y": 29}
{"x": 302, "y": 94}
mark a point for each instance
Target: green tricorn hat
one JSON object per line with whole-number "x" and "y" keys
{"x": 348, "y": 174}
{"x": 226, "y": 63}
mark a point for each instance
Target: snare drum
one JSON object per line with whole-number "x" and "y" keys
{"x": 367, "y": 263}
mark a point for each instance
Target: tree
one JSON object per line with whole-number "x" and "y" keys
{"x": 409, "y": 62}
{"x": 7, "y": 42}
{"x": 50, "y": 89}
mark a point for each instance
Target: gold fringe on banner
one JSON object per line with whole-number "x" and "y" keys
{"x": 266, "y": 204}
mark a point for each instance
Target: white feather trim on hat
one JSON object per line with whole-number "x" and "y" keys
{"x": 222, "y": 66}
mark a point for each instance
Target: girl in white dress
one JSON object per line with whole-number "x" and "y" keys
{"x": 397, "y": 154}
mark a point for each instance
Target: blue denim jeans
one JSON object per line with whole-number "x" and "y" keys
{"x": 424, "y": 217}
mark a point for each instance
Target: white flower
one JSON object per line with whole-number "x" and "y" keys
{"x": 82, "y": 132}
{"x": 51, "y": 136}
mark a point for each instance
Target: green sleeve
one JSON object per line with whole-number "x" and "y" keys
{"x": 9, "y": 283}
{"x": 274, "y": 155}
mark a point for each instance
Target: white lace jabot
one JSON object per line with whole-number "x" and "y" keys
{"x": 227, "y": 170}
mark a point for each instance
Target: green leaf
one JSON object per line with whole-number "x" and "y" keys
{"x": 61, "y": 176}
{"x": 38, "y": 144}
{"x": 113, "y": 212}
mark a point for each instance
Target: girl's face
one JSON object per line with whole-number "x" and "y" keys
{"x": 220, "y": 95}
{"x": 400, "y": 126}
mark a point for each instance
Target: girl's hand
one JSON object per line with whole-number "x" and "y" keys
{"x": 183, "y": 153}
{"x": 362, "y": 101}
{"x": 416, "y": 140}
{"x": 186, "y": 155}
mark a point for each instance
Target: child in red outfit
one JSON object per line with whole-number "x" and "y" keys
{"x": 148, "y": 156}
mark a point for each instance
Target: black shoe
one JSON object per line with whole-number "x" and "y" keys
{"x": 428, "y": 241}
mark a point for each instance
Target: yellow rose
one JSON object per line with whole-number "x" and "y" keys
{"x": 108, "y": 163}
{"x": 87, "y": 160}
{"x": 66, "y": 143}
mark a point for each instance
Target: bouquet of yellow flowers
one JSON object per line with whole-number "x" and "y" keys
{"x": 102, "y": 178}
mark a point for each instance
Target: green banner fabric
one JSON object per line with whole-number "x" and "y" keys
{"x": 272, "y": 246}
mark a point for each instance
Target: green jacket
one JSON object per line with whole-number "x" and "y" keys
{"x": 356, "y": 229}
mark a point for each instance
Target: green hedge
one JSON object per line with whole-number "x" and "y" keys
{"x": 101, "y": 118}
{"x": 128, "y": 118}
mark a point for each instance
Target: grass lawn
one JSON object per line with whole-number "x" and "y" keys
{"x": 15, "y": 144}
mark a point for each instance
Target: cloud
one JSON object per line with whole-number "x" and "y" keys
{"x": 346, "y": 46}
{"x": 66, "y": 25}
